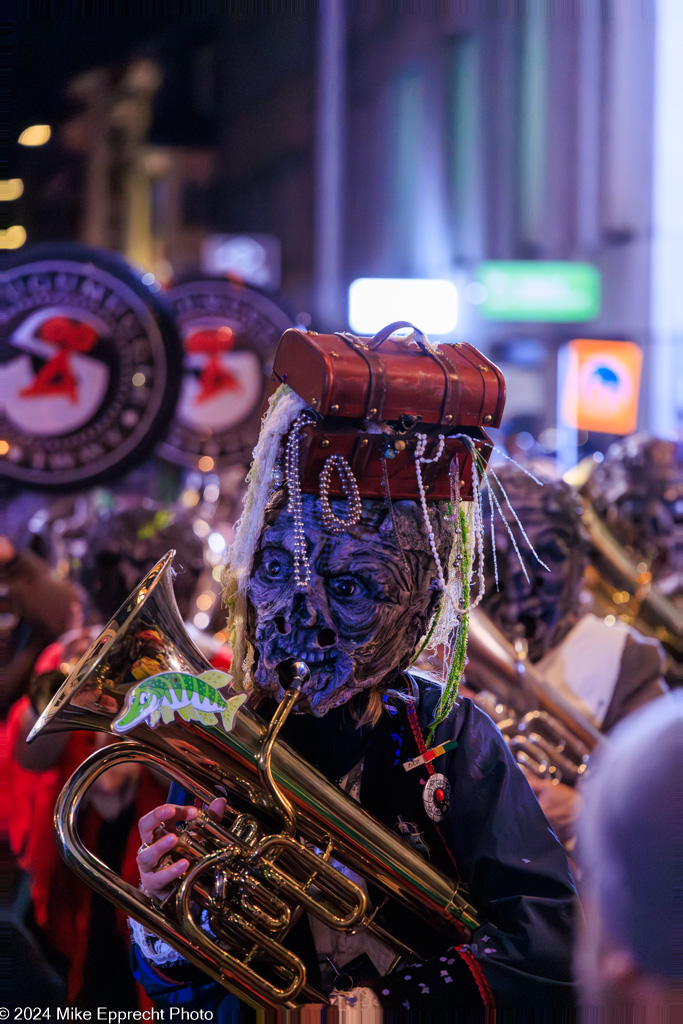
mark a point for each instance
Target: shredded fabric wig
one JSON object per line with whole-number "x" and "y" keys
{"x": 263, "y": 479}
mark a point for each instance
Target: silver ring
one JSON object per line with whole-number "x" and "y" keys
{"x": 145, "y": 846}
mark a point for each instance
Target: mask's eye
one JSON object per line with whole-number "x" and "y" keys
{"x": 275, "y": 566}
{"x": 552, "y": 552}
{"x": 344, "y": 588}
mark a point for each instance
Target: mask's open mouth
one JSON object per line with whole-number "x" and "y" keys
{"x": 327, "y": 677}
{"x": 316, "y": 659}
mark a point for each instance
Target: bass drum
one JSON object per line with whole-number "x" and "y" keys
{"x": 230, "y": 332}
{"x": 88, "y": 364}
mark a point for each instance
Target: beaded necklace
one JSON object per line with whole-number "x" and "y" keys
{"x": 302, "y": 568}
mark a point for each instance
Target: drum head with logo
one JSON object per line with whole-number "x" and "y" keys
{"x": 89, "y": 367}
{"x": 229, "y": 332}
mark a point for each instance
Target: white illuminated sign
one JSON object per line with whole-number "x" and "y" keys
{"x": 374, "y": 302}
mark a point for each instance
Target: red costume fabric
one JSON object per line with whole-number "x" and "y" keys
{"x": 61, "y": 901}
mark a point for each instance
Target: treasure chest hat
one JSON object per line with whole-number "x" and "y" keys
{"x": 382, "y": 406}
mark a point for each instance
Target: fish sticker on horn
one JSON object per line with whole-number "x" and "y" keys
{"x": 194, "y": 698}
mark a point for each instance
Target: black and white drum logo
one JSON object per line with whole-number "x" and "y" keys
{"x": 85, "y": 378}
{"x": 230, "y": 333}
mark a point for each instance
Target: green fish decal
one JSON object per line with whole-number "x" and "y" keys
{"x": 194, "y": 698}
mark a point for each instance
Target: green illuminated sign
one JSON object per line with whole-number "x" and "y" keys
{"x": 530, "y": 290}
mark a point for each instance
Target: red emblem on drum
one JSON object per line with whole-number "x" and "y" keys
{"x": 215, "y": 376}
{"x": 56, "y": 376}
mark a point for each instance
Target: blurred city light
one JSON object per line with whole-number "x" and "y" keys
{"x": 431, "y": 305}
{"x": 201, "y": 528}
{"x": 189, "y": 498}
{"x": 255, "y": 259}
{"x": 523, "y": 290}
{"x": 524, "y": 440}
{"x": 217, "y": 543}
{"x": 36, "y": 135}
{"x": 11, "y": 188}
{"x": 12, "y": 238}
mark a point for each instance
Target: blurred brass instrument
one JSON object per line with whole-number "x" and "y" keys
{"x": 270, "y": 859}
{"x": 619, "y": 589}
{"x": 619, "y": 586}
{"x": 550, "y": 734}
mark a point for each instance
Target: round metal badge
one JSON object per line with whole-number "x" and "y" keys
{"x": 436, "y": 796}
{"x": 85, "y": 366}
{"x": 229, "y": 333}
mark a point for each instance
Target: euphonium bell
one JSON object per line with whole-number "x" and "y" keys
{"x": 270, "y": 857}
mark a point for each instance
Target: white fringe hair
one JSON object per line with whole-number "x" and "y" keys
{"x": 284, "y": 407}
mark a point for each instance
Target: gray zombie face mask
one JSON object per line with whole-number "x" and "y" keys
{"x": 544, "y": 607}
{"x": 364, "y": 611}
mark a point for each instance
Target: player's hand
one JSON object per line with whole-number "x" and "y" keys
{"x": 157, "y": 870}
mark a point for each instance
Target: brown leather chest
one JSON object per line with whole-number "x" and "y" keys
{"x": 374, "y": 397}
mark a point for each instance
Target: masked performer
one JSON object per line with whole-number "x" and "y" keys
{"x": 350, "y": 585}
{"x": 533, "y": 594}
{"x": 637, "y": 491}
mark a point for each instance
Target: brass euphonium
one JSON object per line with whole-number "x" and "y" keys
{"x": 270, "y": 859}
{"x": 551, "y": 734}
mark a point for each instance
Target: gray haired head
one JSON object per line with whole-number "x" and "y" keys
{"x": 630, "y": 837}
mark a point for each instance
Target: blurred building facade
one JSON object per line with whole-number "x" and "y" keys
{"x": 377, "y": 144}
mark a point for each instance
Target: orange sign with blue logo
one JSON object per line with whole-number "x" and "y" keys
{"x": 602, "y": 385}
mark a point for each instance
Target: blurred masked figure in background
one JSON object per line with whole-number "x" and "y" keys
{"x": 81, "y": 934}
{"x": 638, "y": 491}
{"x": 536, "y": 601}
{"x": 36, "y": 606}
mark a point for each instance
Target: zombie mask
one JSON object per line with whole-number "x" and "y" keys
{"x": 543, "y": 607}
{"x": 637, "y": 491}
{"x": 369, "y": 600}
